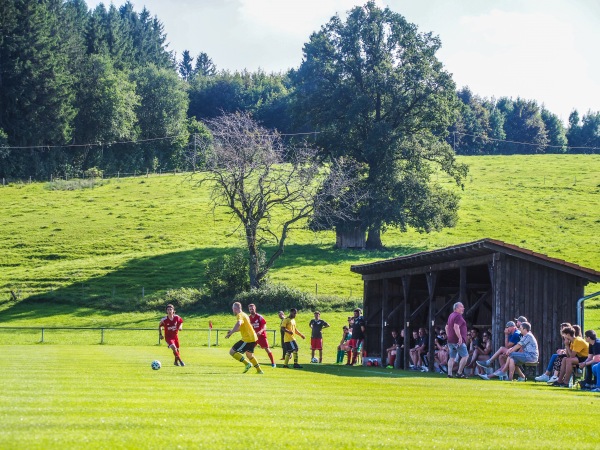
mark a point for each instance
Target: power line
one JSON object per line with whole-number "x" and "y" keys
{"x": 96, "y": 144}
{"x": 314, "y": 133}
{"x": 522, "y": 143}
{"x": 108, "y": 144}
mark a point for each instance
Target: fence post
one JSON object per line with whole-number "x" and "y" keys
{"x": 217, "y": 343}
{"x": 42, "y": 335}
{"x": 101, "y": 335}
{"x": 209, "y": 330}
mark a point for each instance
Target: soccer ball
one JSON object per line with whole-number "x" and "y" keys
{"x": 155, "y": 365}
{"x": 314, "y": 360}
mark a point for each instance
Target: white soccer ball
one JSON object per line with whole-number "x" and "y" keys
{"x": 314, "y": 360}
{"x": 155, "y": 365}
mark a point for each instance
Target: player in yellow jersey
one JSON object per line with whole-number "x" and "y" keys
{"x": 247, "y": 343}
{"x": 288, "y": 326}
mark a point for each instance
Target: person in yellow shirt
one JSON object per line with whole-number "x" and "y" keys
{"x": 288, "y": 326}
{"x": 577, "y": 352}
{"x": 247, "y": 343}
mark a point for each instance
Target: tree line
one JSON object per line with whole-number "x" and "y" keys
{"x": 83, "y": 89}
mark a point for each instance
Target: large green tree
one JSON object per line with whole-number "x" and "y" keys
{"x": 161, "y": 113}
{"x": 524, "y": 126}
{"x": 374, "y": 89}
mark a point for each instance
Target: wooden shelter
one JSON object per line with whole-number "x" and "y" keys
{"x": 494, "y": 280}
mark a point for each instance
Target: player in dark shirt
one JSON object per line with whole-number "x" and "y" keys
{"x": 316, "y": 338}
{"x": 358, "y": 335}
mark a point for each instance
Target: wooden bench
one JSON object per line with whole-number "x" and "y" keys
{"x": 530, "y": 369}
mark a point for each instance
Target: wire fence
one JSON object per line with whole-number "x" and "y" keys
{"x": 103, "y": 176}
{"x": 189, "y": 337}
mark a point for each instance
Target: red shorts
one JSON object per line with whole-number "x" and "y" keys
{"x": 172, "y": 341}
{"x": 355, "y": 343}
{"x": 262, "y": 341}
{"x": 316, "y": 344}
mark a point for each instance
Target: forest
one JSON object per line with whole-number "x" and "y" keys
{"x": 98, "y": 91}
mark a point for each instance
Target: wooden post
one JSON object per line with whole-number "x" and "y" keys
{"x": 431, "y": 285}
{"x": 406, "y": 291}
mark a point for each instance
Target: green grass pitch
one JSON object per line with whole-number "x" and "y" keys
{"x": 95, "y": 396}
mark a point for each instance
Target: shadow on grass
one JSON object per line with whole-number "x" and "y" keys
{"x": 314, "y": 255}
{"x": 136, "y": 284}
{"x": 360, "y": 371}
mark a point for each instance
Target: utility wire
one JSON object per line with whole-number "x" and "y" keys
{"x": 106, "y": 144}
{"x": 314, "y": 133}
{"x": 523, "y": 143}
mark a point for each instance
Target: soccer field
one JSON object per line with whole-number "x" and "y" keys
{"x": 95, "y": 396}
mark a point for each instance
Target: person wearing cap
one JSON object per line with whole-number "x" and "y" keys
{"x": 526, "y": 351}
{"x": 519, "y": 320}
{"x": 512, "y": 336}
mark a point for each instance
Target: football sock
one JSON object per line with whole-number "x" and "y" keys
{"x": 287, "y": 358}
{"x": 296, "y": 358}
{"x": 271, "y": 358}
{"x": 340, "y": 356}
{"x": 239, "y": 357}
{"x": 254, "y": 362}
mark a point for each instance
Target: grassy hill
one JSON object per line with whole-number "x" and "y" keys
{"x": 134, "y": 237}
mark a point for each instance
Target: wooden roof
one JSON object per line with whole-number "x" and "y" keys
{"x": 472, "y": 249}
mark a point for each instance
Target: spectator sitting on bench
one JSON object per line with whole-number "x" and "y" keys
{"x": 420, "y": 349}
{"x": 592, "y": 360}
{"x": 529, "y": 350}
{"x": 577, "y": 352}
{"x": 528, "y": 354}
{"x": 391, "y": 351}
{"x": 481, "y": 353}
{"x": 512, "y": 336}
{"x": 551, "y": 373}
{"x": 562, "y": 355}
{"x": 411, "y": 351}
{"x": 441, "y": 351}
{"x": 473, "y": 342}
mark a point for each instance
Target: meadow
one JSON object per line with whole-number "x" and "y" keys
{"x": 126, "y": 241}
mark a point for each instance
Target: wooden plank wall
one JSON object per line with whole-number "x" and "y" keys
{"x": 547, "y": 297}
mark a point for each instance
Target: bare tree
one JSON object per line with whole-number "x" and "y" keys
{"x": 271, "y": 187}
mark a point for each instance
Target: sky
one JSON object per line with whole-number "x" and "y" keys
{"x": 543, "y": 50}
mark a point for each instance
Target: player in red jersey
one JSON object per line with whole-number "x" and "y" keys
{"x": 172, "y": 324}
{"x": 260, "y": 325}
